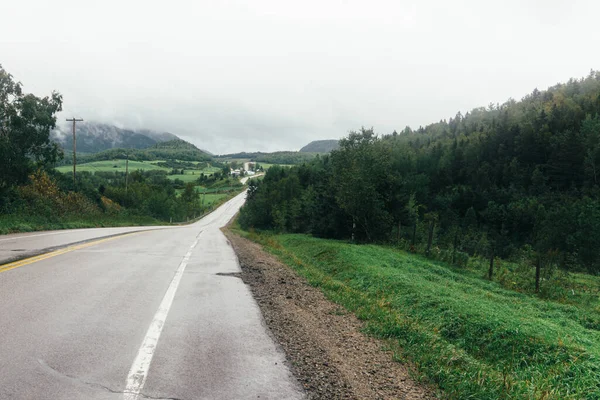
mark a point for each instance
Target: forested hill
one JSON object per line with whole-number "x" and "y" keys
{"x": 176, "y": 149}
{"x": 93, "y": 137}
{"x": 520, "y": 179}
{"x": 320, "y": 146}
{"x": 277, "y": 157}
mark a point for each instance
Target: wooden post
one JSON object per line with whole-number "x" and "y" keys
{"x": 74, "y": 120}
{"x": 126, "y": 172}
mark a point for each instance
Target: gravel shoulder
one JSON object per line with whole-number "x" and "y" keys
{"x": 328, "y": 353}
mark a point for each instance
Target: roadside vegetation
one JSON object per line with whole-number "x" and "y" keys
{"x": 157, "y": 190}
{"x": 486, "y": 229}
{"x": 471, "y": 337}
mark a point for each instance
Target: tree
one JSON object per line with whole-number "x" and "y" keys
{"x": 25, "y": 125}
{"x": 361, "y": 183}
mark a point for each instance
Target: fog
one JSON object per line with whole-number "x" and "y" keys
{"x": 273, "y": 75}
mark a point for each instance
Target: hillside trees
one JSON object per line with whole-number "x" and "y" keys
{"x": 496, "y": 182}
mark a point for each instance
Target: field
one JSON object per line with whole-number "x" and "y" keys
{"x": 187, "y": 177}
{"x": 211, "y": 198}
{"x": 112, "y": 166}
{"x": 467, "y": 335}
{"x": 190, "y": 175}
{"x": 266, "y": 166}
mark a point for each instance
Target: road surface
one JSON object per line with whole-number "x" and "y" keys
{"x": 153, "y": 314}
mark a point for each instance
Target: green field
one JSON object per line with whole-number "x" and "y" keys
{"x": 190, "y": 175}
{"x": 211, "y": 198}
{"x": 112, "y": 165}
{"x": 186, "y": 177}
{"x": 266, "y": 166}
{"x": 467, "y": 335}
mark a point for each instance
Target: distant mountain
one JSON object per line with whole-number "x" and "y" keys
{"x": 175, "y": 149}
{"x": 94, "y": 137}
{"x": 320, "y": 146}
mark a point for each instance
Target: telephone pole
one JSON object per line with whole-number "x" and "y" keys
{"x": 126, "y": 171}
{"x": 74, "y": 120}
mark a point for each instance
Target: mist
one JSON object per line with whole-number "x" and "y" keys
{"x": 270, "y": 75}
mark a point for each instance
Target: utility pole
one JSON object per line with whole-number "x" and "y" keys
{"x": 74, "y": 120}
{"x": 126, "y": 171}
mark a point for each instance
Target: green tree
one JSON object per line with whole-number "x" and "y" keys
{"x": 25, "y": 125}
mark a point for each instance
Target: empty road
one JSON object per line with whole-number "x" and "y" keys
{"x": 152, "y": 313}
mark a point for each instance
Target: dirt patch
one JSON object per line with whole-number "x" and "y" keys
{"x": 328, "y": 353}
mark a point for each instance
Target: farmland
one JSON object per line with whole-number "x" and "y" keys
{"x": 119, "y": 165}
{"x": 112, "y": 166}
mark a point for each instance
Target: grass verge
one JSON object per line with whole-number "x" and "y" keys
{"x": 21, "y": 223}
{"x": 470, "y": 337}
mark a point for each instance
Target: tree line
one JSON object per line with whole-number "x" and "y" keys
{"x": 30, "y": 187}
{"x": 520, "y": 178}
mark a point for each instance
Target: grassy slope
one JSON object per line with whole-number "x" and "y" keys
{"x": 471, "y": 337}
{"x": 21, "y": 223}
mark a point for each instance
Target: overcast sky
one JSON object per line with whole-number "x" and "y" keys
{"x": 274, "y": 74}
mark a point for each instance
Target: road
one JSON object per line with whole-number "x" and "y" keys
{"x": 246, "y": 178}
{"x": 152, "y": 314}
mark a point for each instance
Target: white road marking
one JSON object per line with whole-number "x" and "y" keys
{"x": 139, "y": 369}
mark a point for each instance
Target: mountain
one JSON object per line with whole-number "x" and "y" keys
{"x": 320, "y": 146}
{"x": 175, "y": 149}
{"x": 93, "y": 137}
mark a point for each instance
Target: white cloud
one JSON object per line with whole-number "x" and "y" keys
{"x": 272, "y": 74}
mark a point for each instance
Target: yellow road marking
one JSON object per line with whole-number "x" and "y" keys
{"x": 31, "y": 260}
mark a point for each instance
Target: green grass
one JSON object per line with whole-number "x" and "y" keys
{"x": 111, "y": 165}
{"x": 211, "y": 198}
{"x": 26, "y": 223}
{"x": 186, "y": 178}
{"x": 266, "y": 166}
{"x": 190, "y": 175}
{"x": 469, "y": 336}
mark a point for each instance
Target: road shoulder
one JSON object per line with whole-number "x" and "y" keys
{"x": 327, "y": 351}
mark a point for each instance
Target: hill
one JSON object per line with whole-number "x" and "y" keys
{"x": 176, "y": 149}
{"x": 93, "y": 137}
{"x": 320, "y": 146}
{"x": 278, "y": 157}
{"x": 517, "y": 180}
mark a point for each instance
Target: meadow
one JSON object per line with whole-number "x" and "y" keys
{"x": 189, "y": 175}
{"x": 112, "y": 166}
{"x": 471, "y": 337}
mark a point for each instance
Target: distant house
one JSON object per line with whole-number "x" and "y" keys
{"x": 235, "y": 172}
{"x": 250, "y": 173}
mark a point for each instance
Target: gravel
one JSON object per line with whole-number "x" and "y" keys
{"x": 327, "y": 352}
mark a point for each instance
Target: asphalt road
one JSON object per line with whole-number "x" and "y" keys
{"x": 152, "y": 314}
